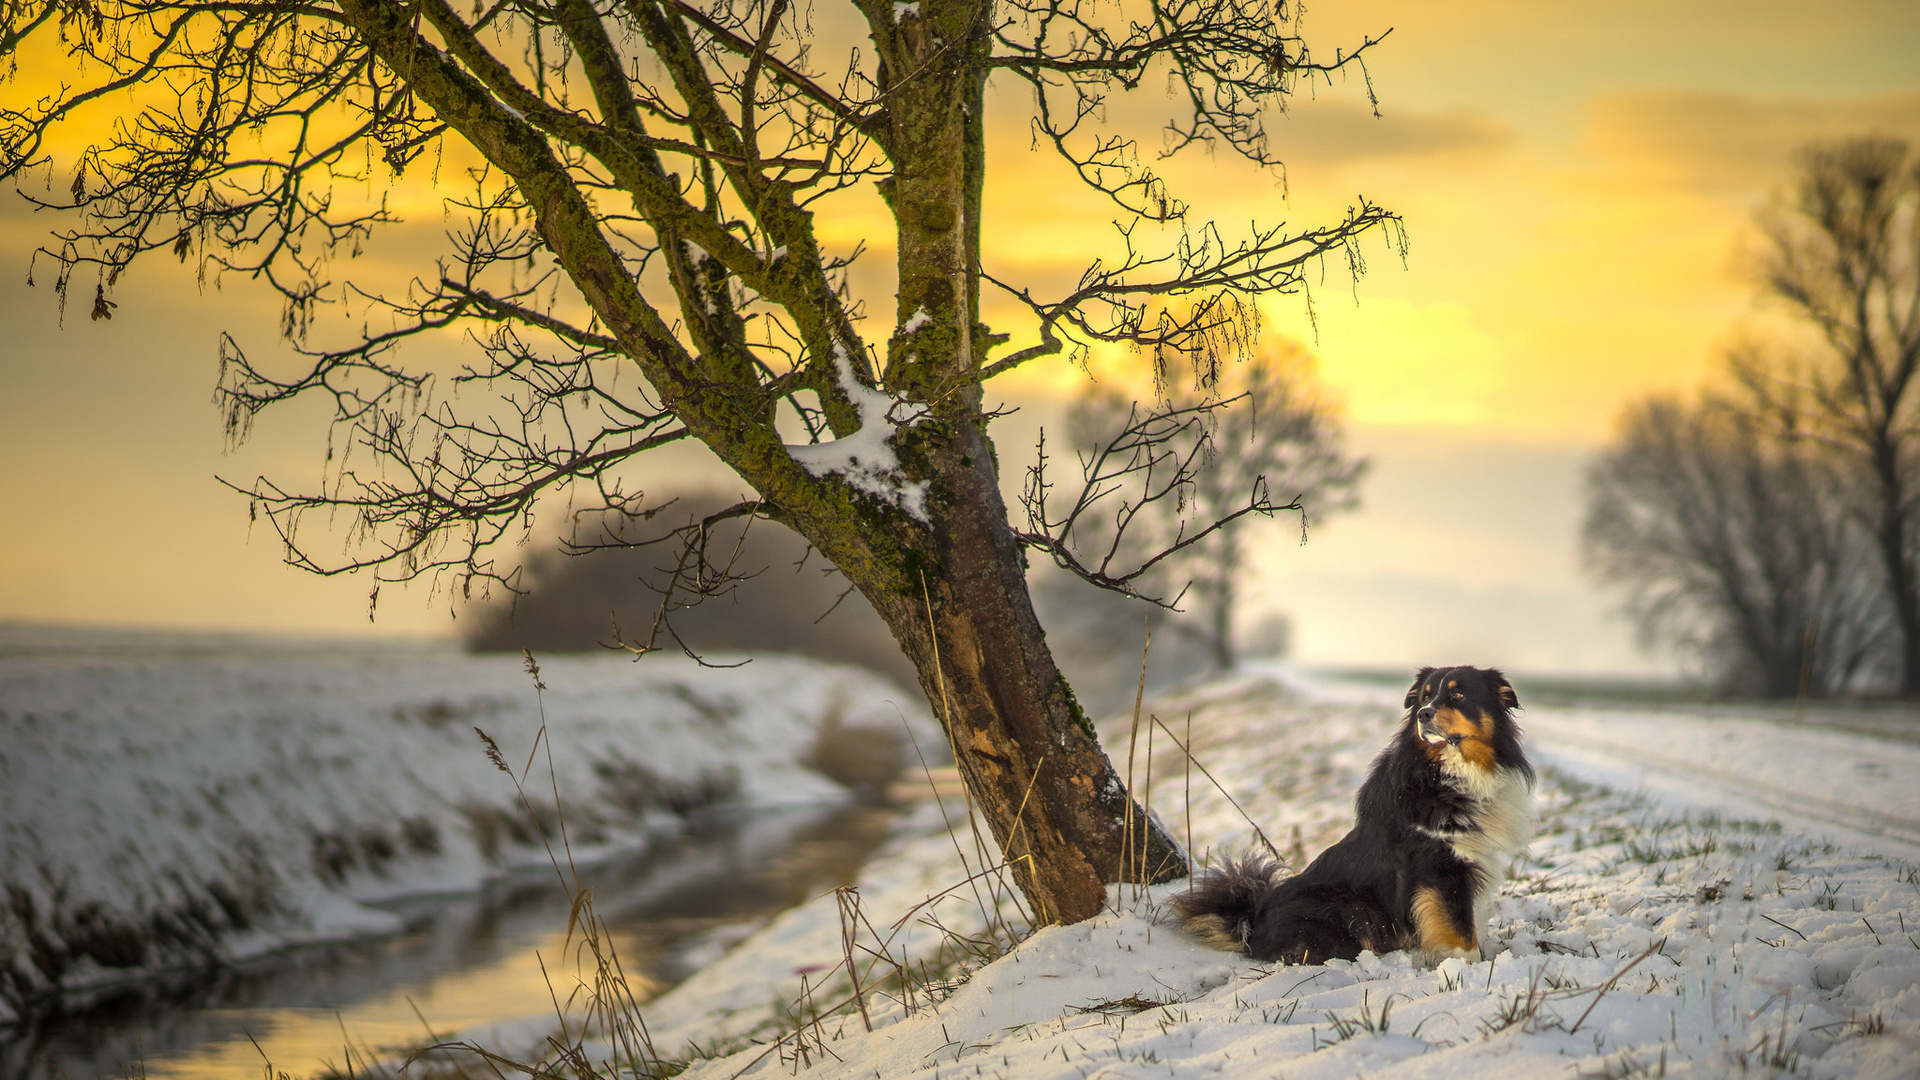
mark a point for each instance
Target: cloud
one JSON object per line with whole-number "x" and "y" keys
{"x": 1340, "y": 131}
{"x": 1730, "y": 144}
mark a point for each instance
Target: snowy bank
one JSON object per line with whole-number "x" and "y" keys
{"x": 167, "y": 808}
{"x": 1639, "y": 937}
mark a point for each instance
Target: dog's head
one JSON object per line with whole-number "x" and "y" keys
{"x": 1466, "y": 709}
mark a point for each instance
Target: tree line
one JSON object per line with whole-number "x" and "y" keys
{"x": 1771, "y": 524}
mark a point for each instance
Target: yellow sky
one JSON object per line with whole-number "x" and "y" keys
{"x": 1576, "y": 179}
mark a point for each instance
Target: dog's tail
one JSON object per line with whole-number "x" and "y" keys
{"x": 1223, "y": 906}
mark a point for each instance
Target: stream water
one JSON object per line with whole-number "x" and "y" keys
{"x": 462, "y": 963}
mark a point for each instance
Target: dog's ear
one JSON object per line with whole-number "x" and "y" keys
{"x": 1413, "y": 692}
{"x": 1504, "y": 689}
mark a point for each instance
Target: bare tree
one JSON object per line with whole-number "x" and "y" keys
{"x": 1251, "y": 427}
{"x": 634, "y": 255}
{"x": 1732, "y": 538}
{"x": 1098, "y": 636}
{"x": 776, "y": 596}
{"x": 1844, "y": 254}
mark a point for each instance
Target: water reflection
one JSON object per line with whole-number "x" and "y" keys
{"x": 464, "y": 963}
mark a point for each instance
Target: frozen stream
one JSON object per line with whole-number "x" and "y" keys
{"x": 461, "y": 963}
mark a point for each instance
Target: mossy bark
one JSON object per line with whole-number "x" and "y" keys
{"x": 1029, "y": 755}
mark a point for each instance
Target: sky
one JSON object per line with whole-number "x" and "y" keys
{"x": 1578, "y": 184}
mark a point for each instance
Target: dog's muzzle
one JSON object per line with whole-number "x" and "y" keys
{"x": 1428, "y": 730}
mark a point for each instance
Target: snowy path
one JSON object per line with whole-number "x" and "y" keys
{"x": 1858, "y": 789}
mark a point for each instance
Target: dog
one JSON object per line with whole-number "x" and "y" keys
{"x": 1445, "y": 809}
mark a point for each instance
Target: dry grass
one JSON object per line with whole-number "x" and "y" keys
{"x": 599, "y": 1024}
{"x": 600, "y": 1030}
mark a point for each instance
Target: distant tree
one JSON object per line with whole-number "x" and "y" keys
{"x": 1733, "y": 539}
{"x": 777, "y": 596}
{"x": 1843, "y": 253}
{"x": 1099, "y": 637}
{"x": 1271, "y": 637}
{"x": 1251, "y": 428}
{"x": 633, "y": 259}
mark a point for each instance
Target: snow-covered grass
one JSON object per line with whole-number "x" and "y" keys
{"x": 1639, "y": 937}
{"x": 167, "y": 808}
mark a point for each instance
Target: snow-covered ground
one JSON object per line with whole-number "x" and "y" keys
{"x": 1736, "y": 898}
{"x": 170, "y": 802}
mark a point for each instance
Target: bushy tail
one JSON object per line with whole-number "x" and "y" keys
{"x": 1222, "y": 906}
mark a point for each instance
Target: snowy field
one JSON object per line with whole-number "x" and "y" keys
{"x": 1706, "y": 898}
{"x": 178, "y": 803}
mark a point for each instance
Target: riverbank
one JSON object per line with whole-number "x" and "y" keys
{"x": 174, "y": 803}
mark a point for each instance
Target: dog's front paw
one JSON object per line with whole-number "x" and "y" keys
{"x": 1432, "y": 957}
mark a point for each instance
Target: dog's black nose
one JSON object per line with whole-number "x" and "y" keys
{"x": 1425, "y": 713}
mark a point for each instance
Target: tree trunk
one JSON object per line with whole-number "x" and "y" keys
{"x": 1064, "y": 820}
{"x": 1226, "y": 578}
{"x": 1060, "y": 813}
{"x": 1897, "y": 554}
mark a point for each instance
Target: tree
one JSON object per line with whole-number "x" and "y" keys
{"x": 1843, "y": 254}
{"x": 778, "y": 597}
{"x": 1098, "y": 637}
{"x": 642, "y": 180}
{"x": 1257, "y": 426}
{"x": 1732, "y": 538}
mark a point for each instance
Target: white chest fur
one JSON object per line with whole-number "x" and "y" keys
{"x": 1504, "y": 823}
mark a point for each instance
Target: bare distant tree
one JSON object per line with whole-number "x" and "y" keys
{"x": 1732, "y": 539}
{"x": 1098, "y": 636}
{"x": 632, "y": 191}
{"x": 778, "y": 596}
{"x": 1254, "y": 426}
{"x": 1844, "y": 254}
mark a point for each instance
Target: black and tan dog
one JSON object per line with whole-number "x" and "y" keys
{"x": 1448, "y": 805}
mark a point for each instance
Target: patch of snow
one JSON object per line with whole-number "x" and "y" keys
{"x": 916, "y": 322}
{"x": 159, "y": 811}
{"x": 865, "y": 458}
{"x": 697, "y": 255}
{"x": 905, "y": 11}
{"x": 1634, "y": 938}
{"x": 1858, "y": 790}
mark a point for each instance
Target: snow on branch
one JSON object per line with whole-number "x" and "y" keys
{"x": 865, "y": 458}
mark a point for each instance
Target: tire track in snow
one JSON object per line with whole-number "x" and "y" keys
{"x": 1863, "y": 790}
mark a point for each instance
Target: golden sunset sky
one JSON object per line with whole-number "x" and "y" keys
{"x": 1578, "y": 183}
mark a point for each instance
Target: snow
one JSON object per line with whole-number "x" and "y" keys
{"x": 865, "y": 458}
{"x": 205, "y": 805}
{"x": 1706, "y": 896}
{"x": 697, "y": 255}
{"x": 1860, "y": 790}
{"x": 902, "y": 11}
{"x": 919, "y": 320}
{"x": 1644, "y": 933}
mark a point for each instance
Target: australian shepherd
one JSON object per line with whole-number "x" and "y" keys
{"x": 1446, "y": 808}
